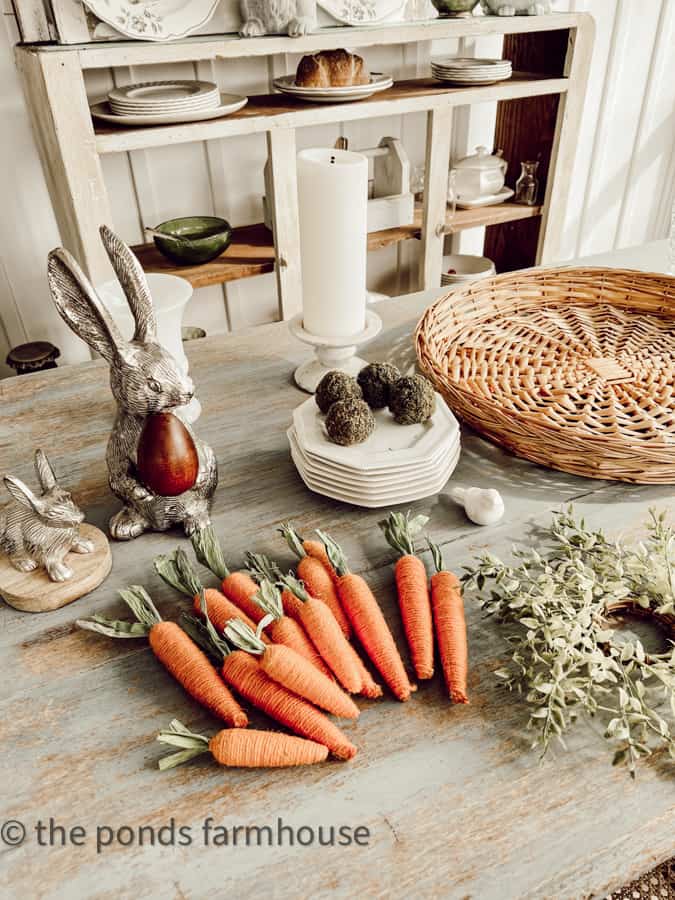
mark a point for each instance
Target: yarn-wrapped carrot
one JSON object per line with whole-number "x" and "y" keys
{"x": 448, "y": 610}
{"x": 239, "y": 587}
{"x": 327, "y": 636}
{"x": 413, "y": 589}
{"x": 293, "y": 671}
{"x": 175, "y": 569}
{"x": 244, "y": 674}
{"x": 368, "y": 622}
{"x": 284, "y": 630}
{"x": 234, "y": 747}
{"x": 318, "y": 574}
{"x": 176, "y": 651}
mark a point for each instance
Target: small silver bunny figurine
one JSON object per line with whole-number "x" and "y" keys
{"x": 145, "y": 379}
{"x": 40, "y": 530}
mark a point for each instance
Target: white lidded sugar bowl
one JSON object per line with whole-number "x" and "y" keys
{"x": 480, "y": 175}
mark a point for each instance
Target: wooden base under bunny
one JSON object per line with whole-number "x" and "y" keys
{"x": 34, "y": 592}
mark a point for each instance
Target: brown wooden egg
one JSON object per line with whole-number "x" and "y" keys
{"x": 167, "y": 459}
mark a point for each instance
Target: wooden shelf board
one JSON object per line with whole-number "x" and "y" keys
{"x": 107, "y": 54}
{"x": 252, "y": 252}
{"x": 264, "y": 112}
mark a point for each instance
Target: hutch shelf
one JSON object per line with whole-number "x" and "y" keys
{"x": 538, "y": 115}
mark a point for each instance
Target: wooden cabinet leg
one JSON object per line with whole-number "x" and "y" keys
{"x": 59, "y": 111}
{"x": 437, "y": 165}
{"x": 284, "y": 207}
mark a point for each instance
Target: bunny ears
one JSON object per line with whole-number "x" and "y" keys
{"x": 80, "y": 308}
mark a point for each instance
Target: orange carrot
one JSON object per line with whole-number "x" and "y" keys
{"x": 317, "y": 572}
{"x": 448, "y": 610}
{"x": 327, "y": 636}
{"x": 174, "y": 649}
{"x": 239, "y": 587}
{"x": 284, "y": 630}
{"x": 368, "y": 622}
{"x": 413, "y": 589}
{"x": 176, "y": 570}
{"x": 258, "y": 749}
{"x": 293, "y": 671}
{"x": 244, "y": 674}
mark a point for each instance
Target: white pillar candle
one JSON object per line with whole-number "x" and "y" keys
{"x": 333, "y": 209}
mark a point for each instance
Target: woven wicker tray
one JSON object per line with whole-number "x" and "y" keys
{"x": 571, "y": 368}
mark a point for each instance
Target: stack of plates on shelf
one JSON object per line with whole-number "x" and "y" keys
{"x": 397, "y": 464}
{"x": 166, "y": 102}
{"x": 470, "y": 71}
{"x": 459, "y": 268}
{"x": 378, "y": 82}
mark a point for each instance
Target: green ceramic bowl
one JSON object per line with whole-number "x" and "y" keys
{"x": 454, "y": 7}
{"x": 204, "y": 238}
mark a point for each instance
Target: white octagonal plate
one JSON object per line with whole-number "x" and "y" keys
{"x": 389, "y": 446}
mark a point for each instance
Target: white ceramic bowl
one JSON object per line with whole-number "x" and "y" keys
{"x": 467, "y": 268}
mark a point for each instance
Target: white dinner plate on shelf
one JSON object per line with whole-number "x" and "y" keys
{"x": 164, "y": 93}
{"x": 488, "y": 200}
{"x": 406, "y": 493}
{"x": 151, "y": 109}
{"x": 229, "y": 103}
{"x": 389, "y": 446}
{"x": 369, "y": 483}
{"x": 378, "y": 82}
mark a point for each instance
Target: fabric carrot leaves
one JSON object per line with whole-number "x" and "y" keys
{"x": 317, "y": 572}
{"x": 368, "y": 622}
{"x": 239, "y": 587}
{"x": 293, "y": 671}
{"x": 175, "y": 569}
{"x": 176, "y": 651}
{"x": 258, "y": 749}
{"x": 244, "y": 674}
{"x": 413, "y": 590}
{"x": 448, "y": 612}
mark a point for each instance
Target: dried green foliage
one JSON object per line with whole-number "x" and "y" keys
{"x": 567, "y": 659}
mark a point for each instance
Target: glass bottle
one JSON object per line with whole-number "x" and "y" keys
{"x": 527, "y": 186}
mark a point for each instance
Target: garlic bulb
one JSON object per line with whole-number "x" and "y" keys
{"x": 484, "y": 506}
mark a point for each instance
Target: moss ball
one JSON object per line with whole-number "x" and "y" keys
{"x": 334, "y": 386}
{"x": 375, "y": 380}
{"x": 349, "y": 422}
{"x": 412, "y": 400}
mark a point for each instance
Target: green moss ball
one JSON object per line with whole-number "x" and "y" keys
{"x": 334, "y": 386}
{"x": 412, "y": 400}
{"x": 349, "y": 422}
{"x": 375, "y": 380}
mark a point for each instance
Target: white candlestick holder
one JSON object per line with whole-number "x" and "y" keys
{"x": 332, "y": 352}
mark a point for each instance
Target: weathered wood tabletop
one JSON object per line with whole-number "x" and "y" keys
{"x": 455, "y": 803}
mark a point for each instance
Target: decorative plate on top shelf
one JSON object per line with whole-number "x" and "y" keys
{"x": 570, "y": 368}
{"x": 148, "y": 20}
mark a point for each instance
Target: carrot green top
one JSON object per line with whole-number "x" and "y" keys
{"x": 204, "y": 634}
{"x": 337, "y": 558}
{"x": 295, "y": 586}
{"x": 209, "y": 552}
{"x": 293, "y": 539}
{"x": 244, "y": 637}
{"x": 436, "y": 555}
{"x": 262, "y": 567}
{"x": 177, "y": 735}
{"x": 401, "y": 530}
{"x": 268, "y": 598}
{"x": 175, "y": 569}
{"x": 140, "y": 604}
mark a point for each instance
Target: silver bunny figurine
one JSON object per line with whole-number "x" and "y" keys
{"x": 40, "y": 530}
{"x": 144, "y": 378}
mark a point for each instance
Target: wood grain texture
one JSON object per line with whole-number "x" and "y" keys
{"x": 252, "y": 252}
{"x": 456, "y": 803}
{"x": 35, "y": 592}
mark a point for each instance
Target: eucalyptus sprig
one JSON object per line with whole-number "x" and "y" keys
{"x": 557, "y": 604}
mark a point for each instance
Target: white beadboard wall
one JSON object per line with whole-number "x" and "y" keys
{"x": 621, "y": 193}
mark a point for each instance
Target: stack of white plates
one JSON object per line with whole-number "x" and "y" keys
{"x": 161, "y": 97}
{"x": 397, "y": 464}
{"x": 470, "y": 71}
{"x": 378, "y": 82}
{"x": 166, "y": 102}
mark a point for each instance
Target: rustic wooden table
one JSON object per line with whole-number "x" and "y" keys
{"x": 455, "y": 803}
